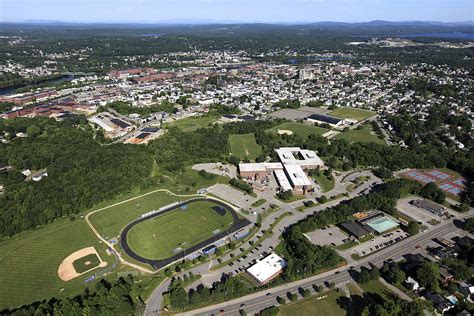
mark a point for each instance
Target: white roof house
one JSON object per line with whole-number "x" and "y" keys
{"x": 414, "y": 284}
{"x": 267, "y": 268}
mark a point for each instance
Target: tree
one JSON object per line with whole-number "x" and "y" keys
{"x": 469, "y": 225}
{"x": 374, "y": 273}
{"x": 270, "y": 311}
{"x": 364, "y": 276}
{"x": 398, "y": 277}
{"x": 285, "y": 195}
{"x": 428, "y": 274}
{"x": 33, "y": 131}
{"x": 413, "y": 228}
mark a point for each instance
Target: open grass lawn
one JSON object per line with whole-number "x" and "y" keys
{"x": 109, "y": 222}
{"x": 328, "y": 306}
{"x": 352, "y": 113}
{"x": 158, "y": 237}
{"x": 364, "y": 135}
{"x": 86, "y": 263}
{"x": 325, "y": 183}
{"x": 29, "y": 262}
{"x": 190, "y": 124}
{"x": 377, "y": 291}
{"x": 300, "y": 129}
{"x": 244, "y": 146}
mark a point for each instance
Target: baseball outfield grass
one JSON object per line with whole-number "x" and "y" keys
{"x": 352, "y": 113}
{"x": 158, "y": 237}
{"x": 300, "y": 129}
{"x": 244, "y": 146}
{"x": 29, "y": 262}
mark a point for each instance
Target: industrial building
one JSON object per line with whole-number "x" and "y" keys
{"x": 267, "y": 269}
{"x": 331, "y": 120}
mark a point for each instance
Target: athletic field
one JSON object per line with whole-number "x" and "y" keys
{"x": 300, "y": 129}
{"x": 29, "y": 262}
{"x": 190, "y": 124}
{"x": 364, "y": 135}
{"x": 352, "y": 113}
{"x": 159, "y": 237}
{"x": 244, "y": 146}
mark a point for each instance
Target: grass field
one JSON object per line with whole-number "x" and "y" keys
{"x": 158, "y": 237}
{"x": 352, "y": 113}
{"x": 244, "y": 146}
{"x": 377, "y": 290}
{"x": 364, "y": 135}
{"x": 325, "y": 183}
{"x": 110, "y": 221}
{"x": 29, "y": 262}
{"x": 300, "y": 129}
{"x": 190, "y": 124}
{"x": 312, "y": 306}
{"x": 86, "y": 263}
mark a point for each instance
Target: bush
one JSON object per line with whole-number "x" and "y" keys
{"x": 280, "y": 300}
{"x": 292, "y": 296}
{"x": 285, "y": 195}
{"x": 270, "y": 311}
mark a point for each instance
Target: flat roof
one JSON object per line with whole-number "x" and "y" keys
{"x": 262, "y": 166}
{"x": 298, "y": 156}
{"x": 297, "y": 176}
{"x": 355, "y": 229}
{"x": 267, "y": 267}
{"x": 382, "y": 224}
{"x": 283, "y": 180}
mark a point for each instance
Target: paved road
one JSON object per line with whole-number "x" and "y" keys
{"x": 208, "y": 277}
{"x": 258, "y": 301}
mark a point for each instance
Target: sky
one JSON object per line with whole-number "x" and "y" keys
{"x": 236, "y": 10}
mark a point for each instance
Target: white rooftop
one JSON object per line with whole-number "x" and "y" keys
{"x": 283, "y": 180}
{"x": 262, "y": 166}
{"x": 297, "y": 175}
{"x": 267, "y": 267}
{"x": 298, "y": 156}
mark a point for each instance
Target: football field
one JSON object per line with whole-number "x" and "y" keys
{"x": 160, "y": 237}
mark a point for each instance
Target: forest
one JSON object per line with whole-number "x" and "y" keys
{"x": 118, "y": 298}
{"x": 81, "y": 172}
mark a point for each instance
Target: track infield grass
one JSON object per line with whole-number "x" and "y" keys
{"x": 300, "y": 129}
{"x": 352, "y": 113}
{"x": 29, "y": 262}
{"x": 157, "y": 237}
{"x": 244, "y": 146}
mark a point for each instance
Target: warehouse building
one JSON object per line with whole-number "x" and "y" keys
{"x": 267, "y": 269}
{"x": 327, "y": 119}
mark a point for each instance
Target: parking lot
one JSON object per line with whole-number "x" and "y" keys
{"x": 298, "y": 114}
{"x": 331, "y": 235}
{"x": 232, "y": 195}
{"x": 378, "y": 243}
{"x": 418, "y": 214}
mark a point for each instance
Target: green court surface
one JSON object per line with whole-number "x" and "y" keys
{"x": 190, "y": 124}
{"x": 383, "y": 224}
{"x": 159, "y": 237}
{"x": 327, "y": 305}
{"x": 364, "y": 135}
{"x": 86, "y": 263}
{"x": 29, "y": 262}
{"x": 300, "y": 129}
{"x": 244, "y": 146}
{"x": 352, "y": 113}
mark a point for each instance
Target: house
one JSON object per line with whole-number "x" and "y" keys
{"x": 412, "y": 284}
{"x": 26, "y": 172}
{"x": 440, "y": 303}
{"x": 445, "y": 275}
{"x": 467, "y": 290}
{"x": 39, "y": 175}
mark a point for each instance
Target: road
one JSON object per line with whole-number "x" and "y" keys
{"x": 258, "y": 301}
{"x": 210, "y": 275}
